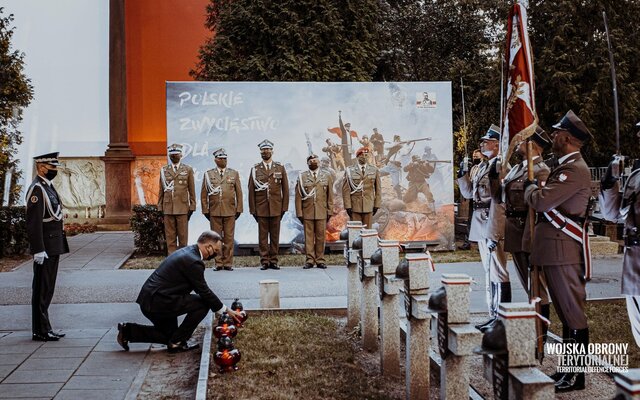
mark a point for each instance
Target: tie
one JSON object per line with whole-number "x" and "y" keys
{"x": 175, "y": 168}
{"x": 221, "y": 172}
{"x": 314, "y": 176}
{"x": 363, "y": 170}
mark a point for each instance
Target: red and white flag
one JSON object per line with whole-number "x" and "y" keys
{"x": 520, "y": 117}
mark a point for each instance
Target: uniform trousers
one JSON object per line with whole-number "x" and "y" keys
{"x": 43, "y": 285}
{"x": 314, "y": 240}
{"x": 521, "y": 260}
{"x": 165, "y": 327}
{"x": 633, "y": 309}
{"x": 176, "y": 231}
{"x": 225, "y": 226}
{"x": 495, "y": 267}
{"x": 568, "y": 293}
{"x": 269, "y": 239}
{"x": 365, "y": 218}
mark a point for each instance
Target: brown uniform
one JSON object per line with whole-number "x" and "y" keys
{"x": 567, "y": 189}
{"x": 268, "y": 201}
{"x": 221, "y": 200}
{"x": 378, "y": 145}
{"x": 517, "y": 237}
{"x": 314, "y": 204}
{"x": 362, "y": 192}
{"x": 176, "y": 198}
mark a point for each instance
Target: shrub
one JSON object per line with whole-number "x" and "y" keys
{"x": 13, "y": 231}
{"x": 74, "y": 228}
{"x": 148, "y": 228}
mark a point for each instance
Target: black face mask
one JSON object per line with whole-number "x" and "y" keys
{"x": 51, "y": 174}
{"x": 211, "y": 257}
{"x": 476, "y": 161}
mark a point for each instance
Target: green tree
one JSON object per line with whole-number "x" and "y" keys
{"x": 16, "y": 93}
{"x": 289, "y": 40}
{"x": 571, "y": 63}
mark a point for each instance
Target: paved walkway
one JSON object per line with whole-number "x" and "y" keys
{"x": 92, "y": 296}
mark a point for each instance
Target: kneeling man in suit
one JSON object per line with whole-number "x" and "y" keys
{"x": 167, "y": 295}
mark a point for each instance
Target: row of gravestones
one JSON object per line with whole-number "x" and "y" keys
{"x": 378, "y": 281}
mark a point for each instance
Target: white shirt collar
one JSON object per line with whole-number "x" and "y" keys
{"x": 221, "y": 170}
{"x": 562, "y": 159}
{"x": 525, "y": 161}
{"x": 175, "y": 166}
{"x": 267, "y": 165}
{"x": 201, "y": 256}
{"x": 48, "y": 182}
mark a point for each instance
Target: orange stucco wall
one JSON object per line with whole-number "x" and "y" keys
{"x": 162, "y": 42}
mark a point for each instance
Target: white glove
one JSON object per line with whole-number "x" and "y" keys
{"x": 39, "y": 257}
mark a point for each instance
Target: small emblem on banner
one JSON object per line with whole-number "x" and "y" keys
{"x": 562, "y": 177}
{"x": 34, "y": 199}
{"x": 426, "y": 100}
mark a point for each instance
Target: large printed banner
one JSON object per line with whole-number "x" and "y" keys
{"x": 406, "y": 125}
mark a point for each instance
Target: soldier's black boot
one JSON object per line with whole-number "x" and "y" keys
{"x": 571, "y": 382}
{"x": 493, "y": 311}
{"x": 505, "y": 292}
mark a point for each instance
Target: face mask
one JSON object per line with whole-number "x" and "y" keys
{"x": 175, "y": 158}
{"x": 313, "y": 166}
{"x": 487, "y": 153}
{"x": 211, "y": 256}
{"x": 221, "y": 163}
{"x": 476, "y": 161}
{"x": 51, "y": 174}
{"x": 265, "y": 155}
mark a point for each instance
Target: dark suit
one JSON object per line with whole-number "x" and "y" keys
{"x": 167, "y": 294}
{"x": 45, "y": 233}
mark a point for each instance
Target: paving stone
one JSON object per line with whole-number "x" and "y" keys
{"x": 51, "y": 363}
{"x": 5, "y": 370}
{"x": 47, "y": 376}
{"x": 84, "y": 333}
{"x": 91, "y": 394}
{"x": 29, "y": 390}
{"x": 13, "y": 359}
{"x": 111, "y": 364}
{"x": 73, "y": 342}
{"x": 19, "y": 346}
{"x": 99, "y": 382}
{"x": 62, "y": 352}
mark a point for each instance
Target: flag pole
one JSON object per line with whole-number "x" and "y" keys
{"x": 464, "y": 128}
{"x": 613, "y": 82}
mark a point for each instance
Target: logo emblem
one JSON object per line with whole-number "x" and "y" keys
{"x": 34, "y": 199}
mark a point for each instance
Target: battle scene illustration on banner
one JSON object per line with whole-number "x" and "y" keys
{"x": 407, "y": 126}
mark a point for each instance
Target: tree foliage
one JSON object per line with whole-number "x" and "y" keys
{"x": 441, "y": 40}
{"x": 16, "y": 93}
{"x": 290, "y": 40}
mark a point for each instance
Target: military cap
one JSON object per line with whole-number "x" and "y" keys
{"x": 49, "y": 158}
{"x": 574, "y": 125}
{"x": 175, "y": 148}
{"x": 265, "y": 144}
{"x": 220, "y": 153}
{"x": 541, "y": 138}
{"x": 492, "y": 134}
{"x": 311, "y": 157}
{"x": 362, "y": 150}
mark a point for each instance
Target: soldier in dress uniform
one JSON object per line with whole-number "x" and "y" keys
{"x": 487, "y": 223}
{"x": 177, "y": 199}
{"x": 361, "y": 189}
{"x": 625, "y": 205}
{"x": 517, "y": 229}
{"x": 314, "y": 205}
{"x": 47, "y": 241}
{"x": 221, "y": 201}
{"x": 562, "y": 204}
{"x": 268, "y": 201}
{"x": 378, "y": 144}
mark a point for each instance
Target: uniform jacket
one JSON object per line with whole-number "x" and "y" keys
{"x": 567, "y": 189}
{"x": 182, "y": 198}
{"x": 362, "y": 201}
{"x": 320, "y": 205}
{"x": 613, "y": 205}
{"x": 45, "y": 230}
{"x": 227, "y": 198}
{"x": 517, "y": 235}
{"x": 486, "y": 223}
{"x": 168, "y": 287}
{"x": 273, "y": 201}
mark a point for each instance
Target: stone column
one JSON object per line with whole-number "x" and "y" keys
{"x": 389, "y": 287}
{"x": 462, "y": 338}
{"x": 353, "y": 279}
{"x": 525, "y": 381}
{"x": 628, "y": 385}
{"x": 369, "y": 298}
{"x": 118, "y": 157}
{"x": 418, "y": 337}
